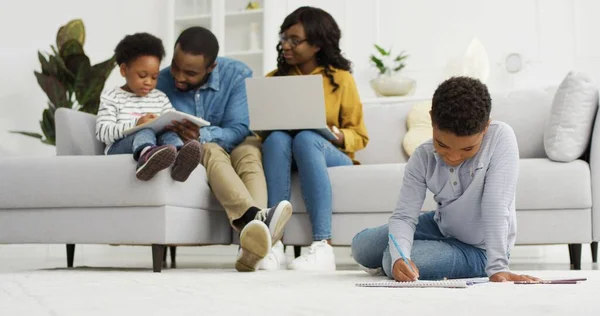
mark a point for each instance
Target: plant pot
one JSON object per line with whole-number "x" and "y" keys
{"x": 388, "y": 86}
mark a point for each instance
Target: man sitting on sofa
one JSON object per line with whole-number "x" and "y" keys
{"x": 199, "y": 83}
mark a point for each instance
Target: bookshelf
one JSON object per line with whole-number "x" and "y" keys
{"x": 240, "y": 31}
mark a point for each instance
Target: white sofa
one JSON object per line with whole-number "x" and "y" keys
{"x": 82, "y": 197}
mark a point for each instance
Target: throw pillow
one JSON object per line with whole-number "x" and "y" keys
{"x": 419, "y": 130}
{"x": 568, "y": 130}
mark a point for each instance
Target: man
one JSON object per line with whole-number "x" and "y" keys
{"x": 199, "y": 83}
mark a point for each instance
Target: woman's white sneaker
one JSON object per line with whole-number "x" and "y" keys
{"x": 275, "y": 260}
{"x": 319, "y": 257}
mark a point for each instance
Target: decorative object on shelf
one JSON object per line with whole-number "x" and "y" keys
{"x": 253, "y": 5}
{"x": 513, "y": 63}
{"x": 68, "y": 78}
{"x": 474, "y": 63}
{"x": 253, "y": 38}
{"x": 389, "y": 82}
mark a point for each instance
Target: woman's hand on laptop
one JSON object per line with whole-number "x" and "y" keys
{"x": 340, "y": 136}
{"x": 186, "y": 130}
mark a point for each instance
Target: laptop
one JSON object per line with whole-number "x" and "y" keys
{"x": 287, "y": 103}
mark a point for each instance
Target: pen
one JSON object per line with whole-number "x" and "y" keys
{"x": 567, "y": 281}
{"x": 401, "y": 253}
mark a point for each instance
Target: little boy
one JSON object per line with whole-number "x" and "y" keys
{"x": 137, "y": 102}
{"x": 471, "y": 166}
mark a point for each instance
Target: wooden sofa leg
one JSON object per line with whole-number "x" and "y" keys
{"x": 594, "y": 247}
{"x": 70, "y": 255}
{"x": 173, "y": 251}
{"x": 575, "y": 254}
{"x": 297, "y": 251}
{"x": 158, "y": 252}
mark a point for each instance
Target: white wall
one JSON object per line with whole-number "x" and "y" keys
{"x": 553, "y": 36}
{"x": 31, "y": 25}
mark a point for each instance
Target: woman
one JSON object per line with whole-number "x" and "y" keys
{"x": 309, "y": 44}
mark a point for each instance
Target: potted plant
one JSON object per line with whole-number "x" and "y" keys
{"x": 69, "y": 79}
{"x": 389, "y": 82}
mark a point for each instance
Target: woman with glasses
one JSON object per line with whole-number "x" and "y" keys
{"x": 309, "y": 45}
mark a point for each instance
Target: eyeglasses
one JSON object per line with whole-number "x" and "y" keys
{"x": 294, "y": 42}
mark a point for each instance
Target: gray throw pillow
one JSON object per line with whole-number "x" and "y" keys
{"x": 567, "y": 132}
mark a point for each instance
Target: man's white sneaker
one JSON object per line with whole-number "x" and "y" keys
{"x": 275, "y": 260}
{"x": 320, "y": 257}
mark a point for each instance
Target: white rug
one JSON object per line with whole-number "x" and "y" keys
{"x": 96, "y": 291}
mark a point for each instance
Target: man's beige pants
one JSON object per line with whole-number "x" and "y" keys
{"x": 237, "y": 180}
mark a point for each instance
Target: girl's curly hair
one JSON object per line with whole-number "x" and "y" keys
{"x": 321, "y": 31}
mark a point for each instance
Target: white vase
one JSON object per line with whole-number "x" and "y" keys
{"x": 388, "y": 86}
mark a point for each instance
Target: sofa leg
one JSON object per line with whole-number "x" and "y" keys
{"x": 594, "y": 247}
{"x": 70, "y": 255}
{"x": 164, "y": 259}
{"x": 158, "y": 252}
{"x": 297, "y": 251}
{"x": 575, "y": 253}
{"x": 173, "y": 250}
{"x": 571, "y": 255}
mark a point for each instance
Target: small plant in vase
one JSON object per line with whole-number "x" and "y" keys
{"x": 252, "y": 5}
{"x": 389, "y": 82}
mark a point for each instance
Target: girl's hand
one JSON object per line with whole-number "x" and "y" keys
{"x": 145, "y": 119}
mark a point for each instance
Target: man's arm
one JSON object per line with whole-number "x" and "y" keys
{"x": 235, "y": 124}
{"x": 498, "y": 195}
{"x": 403, "y": 221}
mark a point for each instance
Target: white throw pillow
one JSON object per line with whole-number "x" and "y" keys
{"x": 568, "y": 130}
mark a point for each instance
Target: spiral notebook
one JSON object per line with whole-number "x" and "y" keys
{"x": 457, "y": 284}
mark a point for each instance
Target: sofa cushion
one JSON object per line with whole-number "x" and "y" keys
{"x": 534, "y": 105}
{"x": 568, "y": 131}
{"x": 546, "y": 184}
{"x": 542, "y": 184}
{"x": 386, "y": 125}
{"x": 76, "y": 133}
{"x": 95, "y": 181}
